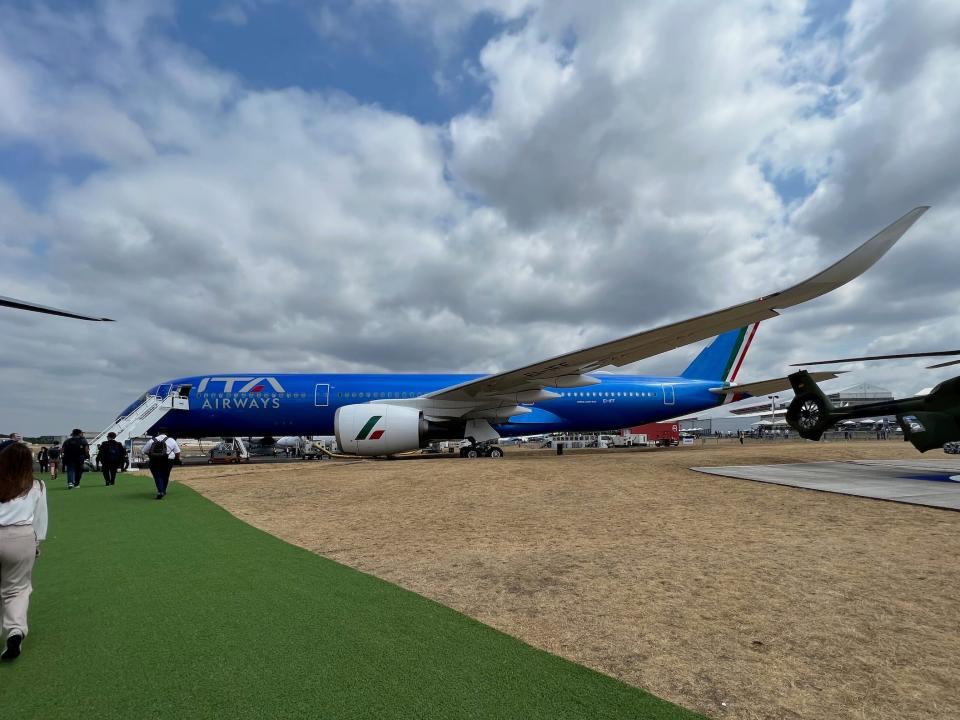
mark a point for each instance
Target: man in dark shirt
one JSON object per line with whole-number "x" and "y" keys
{"x": 111, "y": 456}
{"x": 75, "y": 453}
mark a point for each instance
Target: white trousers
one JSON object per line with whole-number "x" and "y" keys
{"x": 18, "y": 550}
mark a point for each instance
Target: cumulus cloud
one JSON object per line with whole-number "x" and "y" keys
{"x": 623, "y": 170}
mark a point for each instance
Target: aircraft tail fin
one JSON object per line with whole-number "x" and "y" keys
{"x": 722, "y": 358}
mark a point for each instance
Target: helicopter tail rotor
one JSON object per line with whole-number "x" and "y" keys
{"x": 810, "y": 412}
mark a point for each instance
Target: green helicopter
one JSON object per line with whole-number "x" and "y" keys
{"x": 928, "y": 421}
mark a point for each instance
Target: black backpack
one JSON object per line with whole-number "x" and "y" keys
{"x": 112, "y": 452}
{"x": 158, "y": 451}
{"x": 73, "y": 449}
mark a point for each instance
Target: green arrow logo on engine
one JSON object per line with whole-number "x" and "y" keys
{"x": 362, "y": 435}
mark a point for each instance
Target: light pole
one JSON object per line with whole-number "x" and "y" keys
{"x": 773, "y": 409}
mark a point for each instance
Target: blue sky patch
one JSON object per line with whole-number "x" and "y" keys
{"x": 374, "y": 56}
{"x": 792, "y": 186}
{"x": 33, "y": 172}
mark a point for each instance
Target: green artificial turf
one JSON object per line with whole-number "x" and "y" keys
{"x": 176, "y": 609}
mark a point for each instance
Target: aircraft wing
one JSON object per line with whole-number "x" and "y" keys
{"x": 21, "y": 305}
{"x": 569, "y": 370}
{"x": 765, "y": 387}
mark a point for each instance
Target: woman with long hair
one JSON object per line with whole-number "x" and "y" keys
{"x": 23, "y": 524}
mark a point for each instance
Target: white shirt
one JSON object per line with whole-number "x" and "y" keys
{"x": 172, "y": 447}
{"x": 29, "y": 509}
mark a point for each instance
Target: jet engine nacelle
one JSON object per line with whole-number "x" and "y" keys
{"x": 379, "y": 429}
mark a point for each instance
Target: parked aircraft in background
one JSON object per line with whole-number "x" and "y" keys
{"x": 32, "y": 307}
{"x": 289, "y": 441}
{"x": 384, "y": 414}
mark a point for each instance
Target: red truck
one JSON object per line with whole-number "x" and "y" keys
{"x": 659, "y": 434}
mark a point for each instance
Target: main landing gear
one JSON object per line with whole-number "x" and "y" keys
{"x": 485, "y": 449}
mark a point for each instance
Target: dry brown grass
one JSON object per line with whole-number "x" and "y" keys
{"x": 778, "y": 602}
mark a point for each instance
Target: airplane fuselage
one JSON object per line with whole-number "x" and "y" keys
{"x": 305, "y": 404}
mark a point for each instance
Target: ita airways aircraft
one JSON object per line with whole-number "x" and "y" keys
{"x": 384, "y": 414}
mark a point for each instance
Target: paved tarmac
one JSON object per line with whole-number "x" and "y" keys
{"x": 935, "y": 483}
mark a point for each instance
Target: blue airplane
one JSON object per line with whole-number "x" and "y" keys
{"x": 309, "y": 404}
{"x": 385, "y": 414}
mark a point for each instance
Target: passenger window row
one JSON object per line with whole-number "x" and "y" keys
{"x": 375, "y": 395}
{"x": 610, "y": 394}
{"x": 404, "y": 394}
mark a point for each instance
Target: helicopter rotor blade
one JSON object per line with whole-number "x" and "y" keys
{"x": 941, "y": 353}
{"x": 944, "y": 364}
{"x": 33, "y": 307}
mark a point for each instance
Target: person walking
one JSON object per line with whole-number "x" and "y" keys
{"x": 23, "y": 525}
{"x": 53, "y": 457}
{"x": 162, "y": 453}
{"x": 111, "y": 457}
{"x": 75, "y": 453}
{"x": 43, "y": 460}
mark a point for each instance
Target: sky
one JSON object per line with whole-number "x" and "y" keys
{"x": 461, "y": 185}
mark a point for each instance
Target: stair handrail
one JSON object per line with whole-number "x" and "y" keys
{"x": 147, "y": 405}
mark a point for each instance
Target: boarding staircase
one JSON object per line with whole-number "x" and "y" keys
{"x": 144, "y": 416}
{"x": 240, "y": 450}
{"x": 243, "y": 454}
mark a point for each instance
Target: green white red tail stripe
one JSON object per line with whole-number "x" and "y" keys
{"x": 739, "y": 352}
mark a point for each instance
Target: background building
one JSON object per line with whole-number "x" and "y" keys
{"x": 860, "y": 395}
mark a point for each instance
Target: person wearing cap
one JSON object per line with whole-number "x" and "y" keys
{"x": 76, "y": 451}
{"x": 163, "y": 453}
{"x": 111, "y": 457}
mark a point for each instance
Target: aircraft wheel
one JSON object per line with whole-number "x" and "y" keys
{"x": 496, "y": 452}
